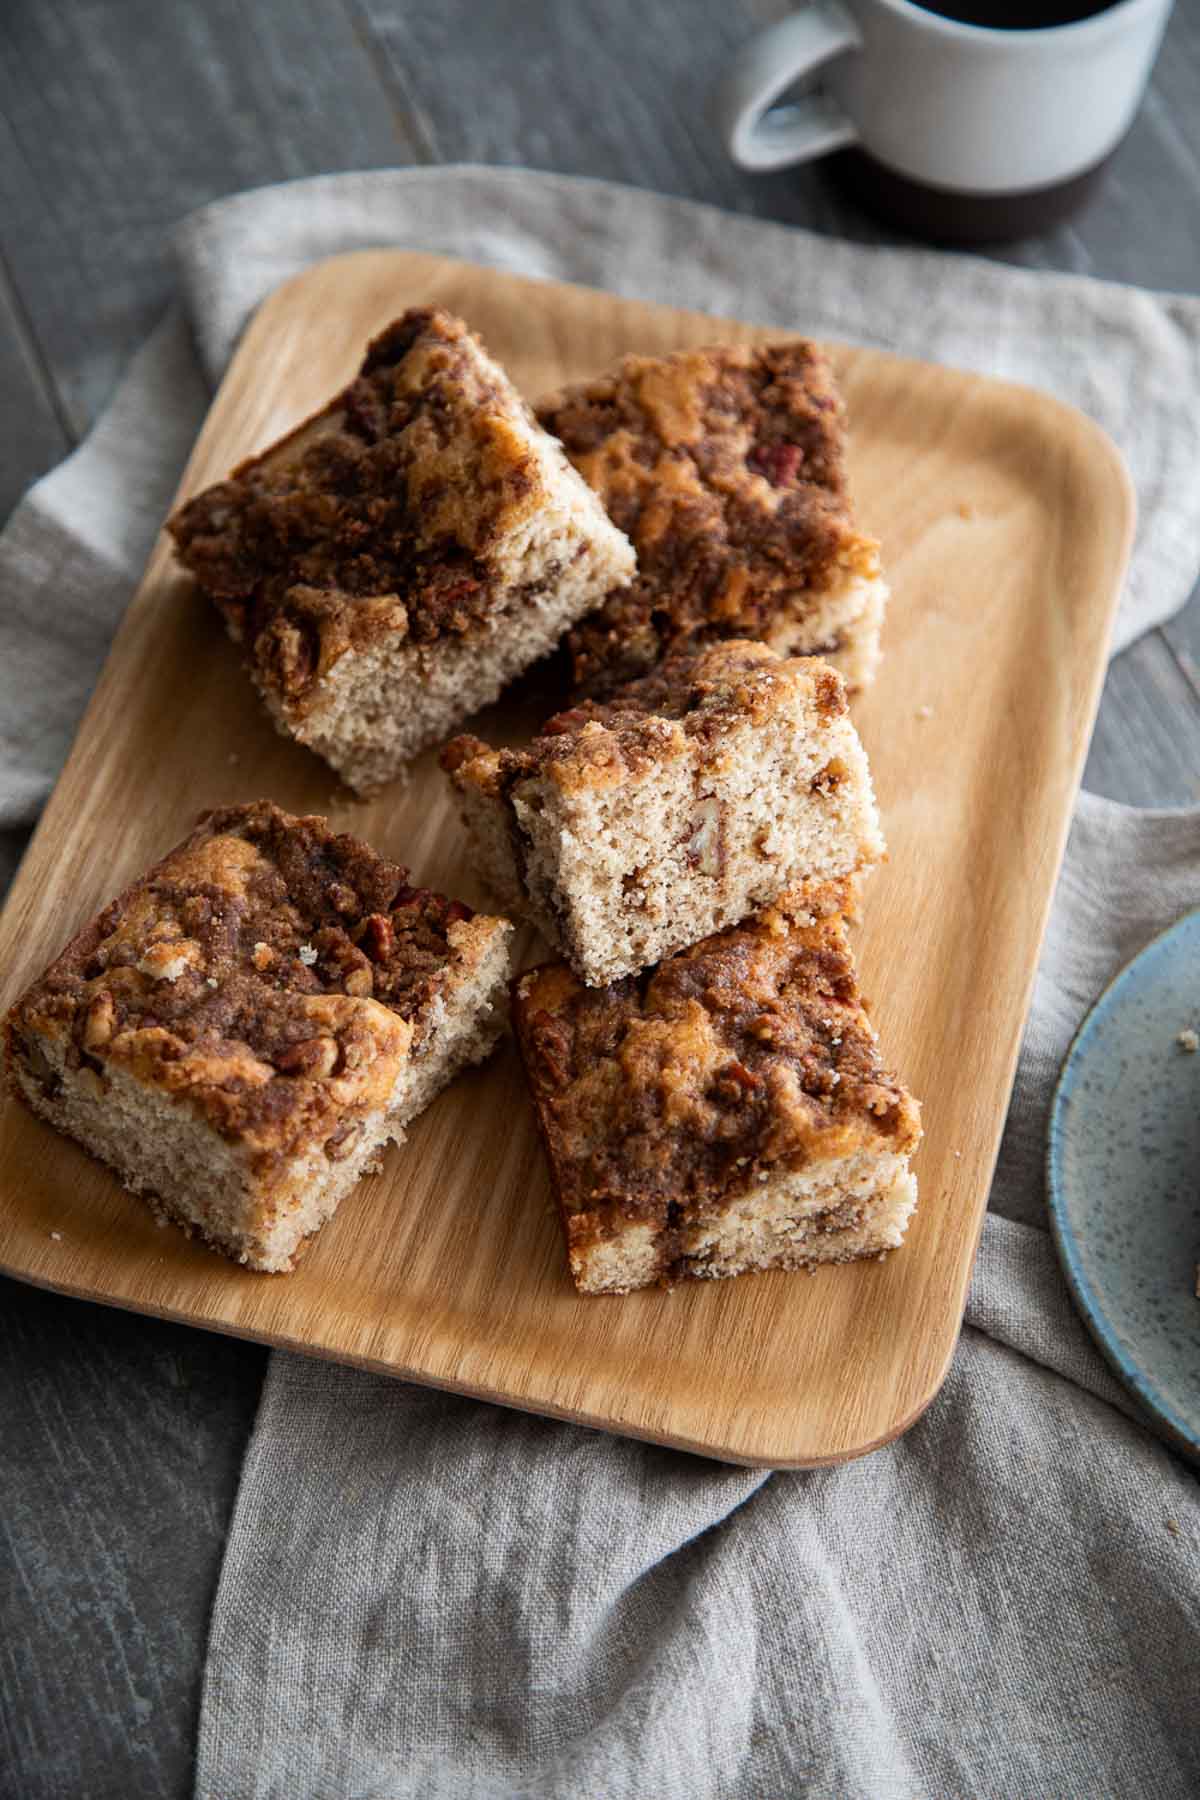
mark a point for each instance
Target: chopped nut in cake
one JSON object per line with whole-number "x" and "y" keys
{"x": 242, "y": 1031}
{"x": 391, "y": 564}
{"x": 631, "y": 828}
{"x": 728, "y": 1112}
{"x": 725, "y": 467}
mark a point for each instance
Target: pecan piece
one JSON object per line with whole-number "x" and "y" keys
{"x": 99, "y": 1023}
{"x": 412, "y": 896}
{"x": 360, "y": 982}
{"x": 566, "y": 723}
{"x": 315, "y": 1058}
{"x": 378, "y": 938}
{"x": 342, "y": 962}
{"x": 288, "y": 653}
{"x": 553, "y": 1044}
{"x": 344, "y": 1141}
{"x": 705, "y": 848}
{"x": 426, "y": 900}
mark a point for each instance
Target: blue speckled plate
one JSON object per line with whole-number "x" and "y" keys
{"x": 1123, "y": 1178}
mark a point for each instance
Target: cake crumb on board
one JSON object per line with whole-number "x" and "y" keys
{"x": 1189, "y": 1040}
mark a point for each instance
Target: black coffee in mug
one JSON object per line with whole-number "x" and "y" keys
{"x": 1016, "y": 15}
{"x": 952, "y": 132}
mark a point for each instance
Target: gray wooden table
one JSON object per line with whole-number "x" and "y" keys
{"x": 121, "y": 1438}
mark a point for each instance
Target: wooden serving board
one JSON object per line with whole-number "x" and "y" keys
{"x": 1006, "y": 521}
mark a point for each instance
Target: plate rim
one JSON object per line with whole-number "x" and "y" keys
{"x": 1164, "y": 1416}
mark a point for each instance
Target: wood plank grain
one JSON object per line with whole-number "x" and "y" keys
{"x": 957, "y": 474}
{"x": 1146, "y": 746}
{"x": 123, "y": 1439}
{"x": 1182, "y": 633}
{"x": 117, "y": 120}
{"x": 619, "y": 91}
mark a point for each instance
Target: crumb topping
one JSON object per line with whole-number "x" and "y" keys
{"x": 725, "y": 469}
{"x": 693, "y": 697}
{"x": 379, "y": 516}
{"x": 274, "y": 972}
{"x": 747, "y": 1054}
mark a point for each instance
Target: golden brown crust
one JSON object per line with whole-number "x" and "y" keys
{"x": 725, "y": 469}
{"x": 692, "y": 696}
{"x": 274, "y": 974}
{"x": 749, "y": 1055}
{"x": 382, "y": 516}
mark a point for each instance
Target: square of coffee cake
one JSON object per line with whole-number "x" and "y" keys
{"x": 726, "y": 469}
{"x": 633, "y": 827}
{"x": 725, "y": 1113}
{"x": 391, "y": 564}
{"x": 241, "y": 1032}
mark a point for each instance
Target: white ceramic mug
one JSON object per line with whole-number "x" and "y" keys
{"x": 988, "y": 114}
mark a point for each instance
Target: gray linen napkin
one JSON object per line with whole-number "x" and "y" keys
{"x": 424, "y": 1595}
{"x": 427, "y": 1596}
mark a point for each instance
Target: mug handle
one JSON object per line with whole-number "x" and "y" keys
{"x": 810, "y": 126}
